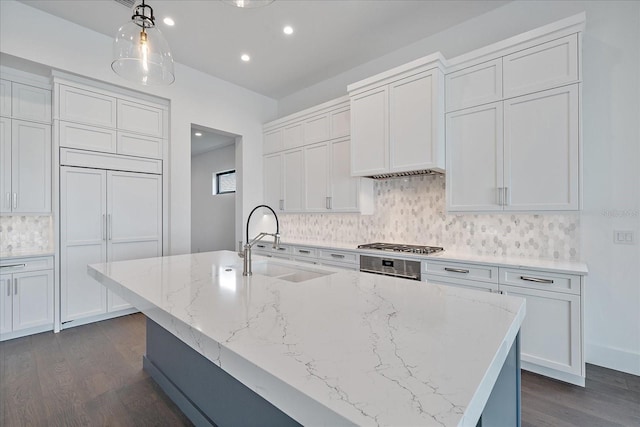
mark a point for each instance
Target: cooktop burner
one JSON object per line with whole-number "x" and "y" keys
{"x": 395, "y": 247}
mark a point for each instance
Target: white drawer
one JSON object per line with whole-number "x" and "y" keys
{"x": 139, "y": 145}
{"x": 303, "y": 251}
{"x": 460, "y": 283}
{"x": 339, "y": 256}
{"x": 18, "y": 265}
{"x": 483, "y": 273}
{"x": 542, "y": 280}
{"x": 87, "y": 137}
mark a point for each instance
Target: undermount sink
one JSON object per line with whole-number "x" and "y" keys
{"x": 287, "y": 272}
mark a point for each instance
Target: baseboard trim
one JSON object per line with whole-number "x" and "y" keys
{"x": 613, "y": 358}
{"x": 553, "y": 373}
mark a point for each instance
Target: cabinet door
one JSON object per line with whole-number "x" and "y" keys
{"x": 139, "y": 145}
{"x": 541, "y": 150}
{"x": 293, "y": 180}
{"x": 5, "y": 98}
{"x": 83, "y": 234}
{"x": 31, "y": 167}
{"x": 30, "y": 103}
{"x": 140, "y": 118}
{"x": 550, "y": 333}
{"x": 369, "y": 133}
{"x": 292, "y": 136}
{"x": 477, "y": 85}
{"x": 273, "y": 181}
{"x": 134, "y": 220}
{"x": 32, "y": 299}
{"x": 316, "y": 129}
{"x": 5, "y": 165}
{"x": 85, "y": 137}
{"x": 343, "y": 187}
{"x": 6, "y": 303}
{"x": 414, "y": 136}
{"x": 83, "y": 106}
{"x": 272, "y": 141}
{"x": 316, "y": 177}
{"x": 340, "y": 123}
{"x": 474, "y": 158}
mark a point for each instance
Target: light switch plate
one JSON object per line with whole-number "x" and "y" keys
{"x": 623, "y": 237}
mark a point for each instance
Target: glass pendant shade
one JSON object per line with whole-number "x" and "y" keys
{"x": 140, "y": 52}
{"x": 249, "y": 4}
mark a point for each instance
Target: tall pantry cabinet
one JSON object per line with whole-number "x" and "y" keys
{"x": 111, "y": 191}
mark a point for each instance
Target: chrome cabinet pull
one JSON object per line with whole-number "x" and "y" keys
{"x": 261, "y": 246}
{"x": 8, "y": 287}
{"x": 499, "y": 196}
{"x": 329, "y": 204}
{"x": 536, "y": 280}
{"x": 304, "y": 251}
{"x": 281, "y": 203}
{"x": 15, "y": 200}
{"x": 282, "y": 249}
{"x": 15, "y": 286}
{"x": 456, "y": 270}
{"x": 104, "y": 227}
{"x": 337, "y": 255}
{"x": 8, "y": 202}
{"x": 110, "y": 226}
{"x": 507, "y": 200}
{"x": 13, "y": 265}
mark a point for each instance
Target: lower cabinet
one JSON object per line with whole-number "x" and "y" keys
{"x": 104, "y": 216}
{"x": 26, "y": 297}
{"x": 470, "y": 276}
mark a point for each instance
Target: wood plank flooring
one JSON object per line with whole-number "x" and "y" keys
{"x": 92, "y": 376}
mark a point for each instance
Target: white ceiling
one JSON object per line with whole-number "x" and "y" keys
{"x": 209, "y": 140}
{"x": 331, "y": 36}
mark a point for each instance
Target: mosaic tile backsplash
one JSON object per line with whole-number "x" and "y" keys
{"x": 21, "y": 234}
{"x": 412, "y": 211}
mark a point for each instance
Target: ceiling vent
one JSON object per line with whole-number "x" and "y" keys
{"x": 404, "y": 174}
{"x": 126, "y": 3}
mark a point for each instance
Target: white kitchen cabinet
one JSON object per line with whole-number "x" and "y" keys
{"x": 474, "y": 177}
{"x": 397, "y": 120}
{"x": 273, "y": 197}
{"x": 541, "y": 67}
{"x": 84, "y": 137}
{"x": 369, "y": 134}
{"x": 30, "y": 103}
{"x": 26, "y": 296}
{"x": 140, "y": 118}
{"x": 139, "y": 145}
{"x": 293, "y": 136}
{"x": 459, "y": 283}
{"x": 340, "y": 121}
{"x": 5, "y": 98}
{"x": 347, "y": 193}
{"x": 317, "y": 177}
{"x": 541, "y": 134}
{"x": 273, "y": 141}
{"x": 317, "y": 129}
{"x": 470, "y": 276}
{"x": 293, "y": 180}
{"x": 84, "y": 106}
{"x": 26, "y": 166}
{"x": 473, "y": 86}
{"x": 105, "y": 216}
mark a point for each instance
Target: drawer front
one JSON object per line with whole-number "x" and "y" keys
{"x": 140, "y": 118}
{"x": 303, "y": 251}
{"x": 540, "y": 280}
{"x": 79, "y": 105}
{"x": 477, "y": 85}
{"x": 339, "y": 256}
{"x": 74, "y": 135}
{"x": 483, "y": 273}
{"x": 138, "y": 145}
{"x": 18, "y": 265}
{"x": 81, "y": 158}
{"x": 460, "y": 283}
{"x": 266, "y": 247}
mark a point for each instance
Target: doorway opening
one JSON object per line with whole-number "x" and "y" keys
{"x": 215, "y": 182}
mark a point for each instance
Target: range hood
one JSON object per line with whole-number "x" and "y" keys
{"x": 404, "y": 174}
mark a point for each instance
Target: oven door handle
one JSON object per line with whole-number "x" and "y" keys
{"x": 384, "y": 273}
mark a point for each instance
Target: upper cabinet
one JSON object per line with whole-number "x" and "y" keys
{"x": 98, "y": 120}
{"x": 513, "y": 126}
{"x": 397, "y": 119}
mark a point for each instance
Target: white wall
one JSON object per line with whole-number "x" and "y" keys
{"x": 195, "y": 97}
{"x": 212, "y": 216}
{"x": 611, "y": 149}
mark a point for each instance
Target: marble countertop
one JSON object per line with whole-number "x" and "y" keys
{"x": 554, "y": 266}
{"x": 347, "y": 348}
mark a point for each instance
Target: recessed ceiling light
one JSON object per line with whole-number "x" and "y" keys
{"x": 168, "y": 21}
{"x": 198, "y": 134}
{"x": 245, "y": 57}
{"x": 288, "y": 30}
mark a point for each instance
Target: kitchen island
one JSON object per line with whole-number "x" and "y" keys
{"x": 296, "y": 344}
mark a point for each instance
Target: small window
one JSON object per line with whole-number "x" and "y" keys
{"x": 225, "y": 182}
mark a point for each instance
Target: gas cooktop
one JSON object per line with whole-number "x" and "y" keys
{"x": 395, "y": 247}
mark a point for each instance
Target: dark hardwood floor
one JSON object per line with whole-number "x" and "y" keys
{"x": 92, "y": 376}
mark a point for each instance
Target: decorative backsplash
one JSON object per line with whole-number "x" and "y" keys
{"x": 25, "y": 234}
{"x": 412, "y": 211}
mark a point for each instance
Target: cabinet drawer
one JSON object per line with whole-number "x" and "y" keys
{"x": 88, "y": 159}
{"x": 74, "y": 135}
{"x": 140, "y": 118}
{"x": 482, "y": 273}
{"x": 480, "y": 84}
{"x": 540, "y": 280}
{"x": 18, "y": 265}
{"x": 339, "y": 256}
{"x": 79, "y": 105}
{"x": 30, "y": 103}
{"x": 138, "y": 145}
{"x": 266, "y": 247}
{"x": 303, "y": 251}
{"x": 460, "y": 283}
{"x": 541, "y": 67}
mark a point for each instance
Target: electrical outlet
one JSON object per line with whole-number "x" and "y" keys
{"x": 623, "y": 237}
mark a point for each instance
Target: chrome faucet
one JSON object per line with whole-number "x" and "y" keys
{"x": 246, "y": 253}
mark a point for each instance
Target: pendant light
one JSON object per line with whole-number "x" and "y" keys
{"x": 249, "y": 4}
{"x": 140, "y": 52}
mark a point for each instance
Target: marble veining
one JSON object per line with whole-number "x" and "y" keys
{"x": 347, "y": 348}
{"x": 26, "y": 235}
{"x": 412, "y": 211}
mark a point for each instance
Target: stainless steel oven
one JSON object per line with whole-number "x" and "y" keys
{"x": 406, "y": 269}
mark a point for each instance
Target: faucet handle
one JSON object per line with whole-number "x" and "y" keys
{"x": 276, "y": 240}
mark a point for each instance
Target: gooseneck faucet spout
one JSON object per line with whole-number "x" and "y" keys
{"x": 246, "y": 254}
